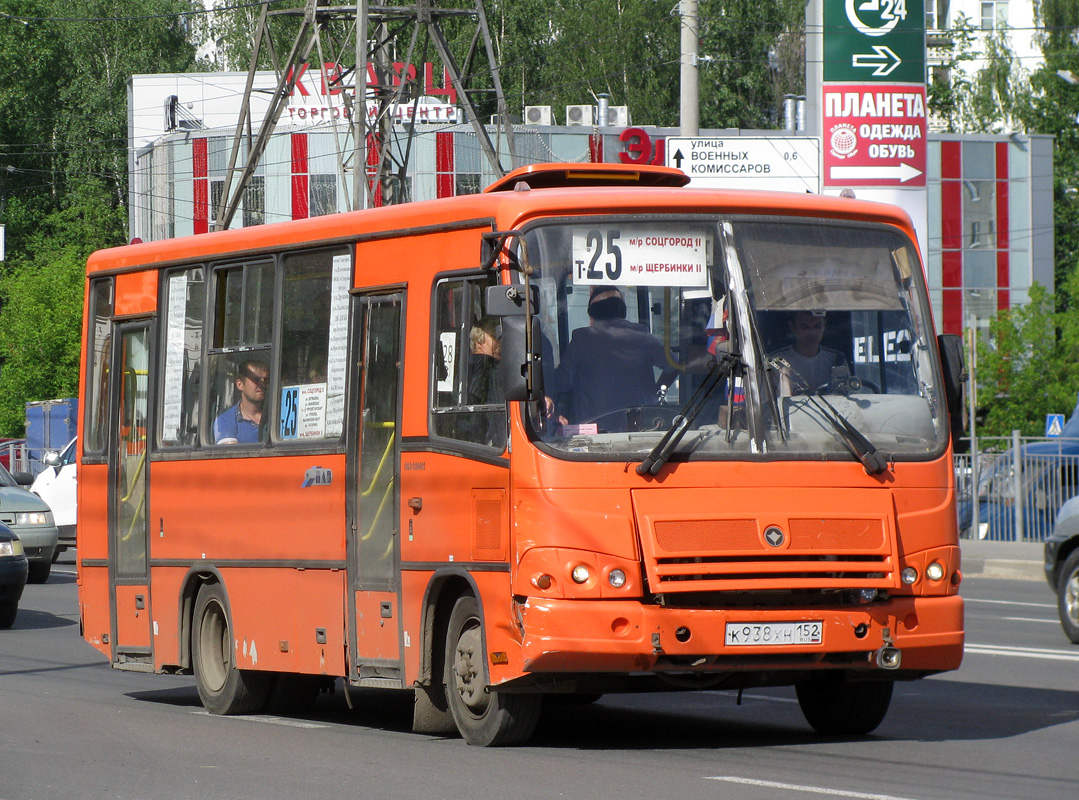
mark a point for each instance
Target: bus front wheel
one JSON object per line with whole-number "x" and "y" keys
{"x": 223, "y": 688}
{"x": 836, "y": 707}
{"x": 483, "y": 717}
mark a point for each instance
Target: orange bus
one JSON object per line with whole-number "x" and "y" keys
{"x": 588, "y": 431}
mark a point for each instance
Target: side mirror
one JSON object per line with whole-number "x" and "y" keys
{"x": 52, "y": 458}
{"x": 522, "y": 374}
{"x": 23, "y": 478}
{"x": 953, "y": 361}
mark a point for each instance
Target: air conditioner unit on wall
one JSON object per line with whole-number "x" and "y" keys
{"x": 618, "y": 116}
{"x": 538, "y": 115}
{"x": 580, "y": 115}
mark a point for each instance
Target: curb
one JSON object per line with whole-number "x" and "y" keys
{"x": 1015, "y": 561}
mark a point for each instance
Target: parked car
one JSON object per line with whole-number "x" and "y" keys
{"x": 13, "y": 570}
{"x": 1050, "y": 475}
{"x": 7, "y": 447}
{"x": 56, "y": 486}
{"x": 31, "y": 520}
{"x": 1062, "y": 566}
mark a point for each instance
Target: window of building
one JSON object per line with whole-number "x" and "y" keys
{"x": 322, "y": 170}
{"x": 185, "y": 306}
{"x": 936, "y": 15}
{"x": 994, "y": 14}
{"x": 467, "y": 403}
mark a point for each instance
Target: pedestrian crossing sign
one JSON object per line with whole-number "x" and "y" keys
{"x": 1054, "y": 424}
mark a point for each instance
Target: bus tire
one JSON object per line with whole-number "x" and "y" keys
{"x": 837, "y": 707}
{"x": 485, "y": 718}
{"x": 9, "y": 609}
{"x": 1068, "y": 597}
{"x": 223, "y": 688}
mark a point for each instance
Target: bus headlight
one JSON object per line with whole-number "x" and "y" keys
{"x": 909, "y": 575}
{"x": 580, "y": 574}
{"x": 617, "y": 578}
{"x": 935, "y": 571}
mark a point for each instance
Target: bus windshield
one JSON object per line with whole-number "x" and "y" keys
{"x": 818, "y": 324}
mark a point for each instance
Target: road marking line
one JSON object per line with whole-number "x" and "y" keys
{"x": 1021, "y": 652}
{"x": 289, "y": 723}
{"x": 795, "y": 787}
{"x": 1032, "y": 619}
{"x": 1008, "y": 603}
{"x": 734, "y": 693}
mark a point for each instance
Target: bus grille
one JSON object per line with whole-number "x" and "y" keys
{"x": 734, "y": 555}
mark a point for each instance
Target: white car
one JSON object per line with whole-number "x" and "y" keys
{"x": 56, "y": 486}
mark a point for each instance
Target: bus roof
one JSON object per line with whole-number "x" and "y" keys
{"x": 534, "y": 191}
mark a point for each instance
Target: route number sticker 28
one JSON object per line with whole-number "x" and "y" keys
{"x": 636, "y": 256}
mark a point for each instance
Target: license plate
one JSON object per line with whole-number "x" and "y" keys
{"x": 752, "y": 634}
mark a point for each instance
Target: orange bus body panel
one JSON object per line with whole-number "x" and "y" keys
{"x": 136, "y": 293}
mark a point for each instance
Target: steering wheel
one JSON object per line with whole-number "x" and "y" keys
{"x": 635, "y": 419}
{"x": 855, "y": 384}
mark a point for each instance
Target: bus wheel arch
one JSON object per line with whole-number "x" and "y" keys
{"x": 485, "y": 718}
{"x": 431, "y": 713}
{"x": 223, "y": 688}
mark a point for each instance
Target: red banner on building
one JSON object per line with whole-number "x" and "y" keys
{"x": 874, "y": 135}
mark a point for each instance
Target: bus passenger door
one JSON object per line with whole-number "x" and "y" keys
{"x": 128, "y": 497}
{"x": 373, "y": 548}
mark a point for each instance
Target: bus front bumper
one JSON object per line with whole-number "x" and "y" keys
{"x": 627, "y": 637}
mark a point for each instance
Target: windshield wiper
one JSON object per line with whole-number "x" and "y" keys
{"x": 721, "y": 368}
{"x": 874, "y": 461}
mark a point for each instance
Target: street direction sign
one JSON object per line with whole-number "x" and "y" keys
{"x": 874, "y": 40}
{"x": 747, "y": 162}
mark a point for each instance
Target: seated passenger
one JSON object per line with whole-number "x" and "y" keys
{"x": 610, "y": 365}
{"x": 484, "y": 380}
{"x": 811, "y": 364}
{"x": 240, "y": 424}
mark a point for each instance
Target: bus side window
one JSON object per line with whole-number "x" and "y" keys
{"x": 240, "y": 391}
{"x": 185, "y": 305}
{"x": 314, "y": 308}
{"x": 466, "y": 394}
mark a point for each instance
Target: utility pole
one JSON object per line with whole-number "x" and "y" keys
{"x": 689, "y": 96}
{"x": 352, "y": 31}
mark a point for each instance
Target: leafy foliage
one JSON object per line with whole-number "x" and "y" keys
{"x": 1030, "y": 366}
{"x": 42, "y": 295}
{"x": 63, "y": 168}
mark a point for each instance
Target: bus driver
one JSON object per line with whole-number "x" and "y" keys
{"x": 240, "y": 423}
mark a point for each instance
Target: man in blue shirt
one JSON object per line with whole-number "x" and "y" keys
{"x": 240, "y": 423}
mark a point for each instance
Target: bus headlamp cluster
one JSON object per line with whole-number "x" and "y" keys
{"x": 934, "y": 572}
{"x": 581, "y": 574}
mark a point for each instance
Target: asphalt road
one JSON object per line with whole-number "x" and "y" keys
{"x": 1006, "y": 725}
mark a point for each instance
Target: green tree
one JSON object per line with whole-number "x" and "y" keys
{"x": 42, "y": 295}
{"x": 1030, "y": 365}
{"x": 1053, "y": 109}
{"x": 757, "y": 53}
{"x": 63, "y": 167}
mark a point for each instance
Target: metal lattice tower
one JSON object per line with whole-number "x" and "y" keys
{"x": 333, "y": 32}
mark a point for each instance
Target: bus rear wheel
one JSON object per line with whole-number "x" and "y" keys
{"x": 837, "y": 707}
{"x": 223, "y": 688}
{"x": 485, "y": 718}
